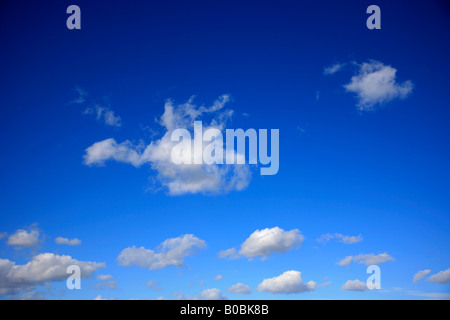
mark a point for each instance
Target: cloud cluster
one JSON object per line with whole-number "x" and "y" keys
{"x": 42, "y": 268}
{"x": 105, "y": 114}
{"x": 367, "y": 259}
{"x": 182, "y": 178}
{"x": 288, "y": 282}
{"x": 169, "y": 253}
{"x": 262, "y": 243}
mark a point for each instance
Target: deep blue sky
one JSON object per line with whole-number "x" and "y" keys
{"x": 383, "y": 174}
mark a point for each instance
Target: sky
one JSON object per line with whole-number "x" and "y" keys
{"x": 87, "y": 179}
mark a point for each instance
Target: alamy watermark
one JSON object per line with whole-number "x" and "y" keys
{"x": 208, "y": 147}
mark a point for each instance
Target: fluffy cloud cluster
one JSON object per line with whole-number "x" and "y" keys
{"x": 169, "y": 253}
{"x": 288, "y": 282}
{"x": 367, "y": 259}
{"x": 375, "y": 83}
{"x": 105, "y": 115}
{"x": 42, "y": 268}
{"x": 182, "y": 178}
{"x": 262, "y": 243}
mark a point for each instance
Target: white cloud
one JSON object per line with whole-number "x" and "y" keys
{"x": 42, "y": 268}
{"x": 105, "y": 115}
{"x": 367, "y": 259}
{"x": 152, "y": 284}
{"x": 375, "y": 83}
{"x": 104, "y": 277}
{"x": 218, "y": 277}
{"x": 288, "y": 282}
{"x": 3, "y": 235}
{"x": 340, "y": 237}
{"x": 210, "y": 294}
{"x": 24, "y": 238}
{"x": 169, "y": 253}
{"x": 420, "y": 274}
{"x": 262, "y": 243}
{"x": 354, "y": 285}
{"x": 100, "y": 297}
{"x": 183, "y": 178}
{"x": 82, "y": 94}
{"x": 441, "y": 277}
{"x": 333, "y": 68}
{"x": 70, "y": 242}
{"x": 239, "y": 288}
{"x": 228, "y": 254}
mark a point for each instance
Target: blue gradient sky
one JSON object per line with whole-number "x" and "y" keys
{"x": 383, "y": 174}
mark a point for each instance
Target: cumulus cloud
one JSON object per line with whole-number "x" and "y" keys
{"x": 375, "y": 83}
{"x": 239, "y": 288}
{"x": 420, "y": 274}
{"x": 367, "y": 259}
{"x": 69, "y": 242}
{"x": 169, "y": 253}
{"x": 442, "y": 277}
{"x": 181, "y": 178}
{"x": 24, "y": 238}
{"x": 354, "y": 285}
{"x": 218, "y": 277}
{"x": 340, "y": 238}
{"x": 42, "y": 268}
{"x": 262, "y": 243}
{"x": 288, "y": 282}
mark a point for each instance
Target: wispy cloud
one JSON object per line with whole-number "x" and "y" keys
{"x": 69, "y": 242}
{"x": 367, "y": 259}
{"x": 354, "y": 285}
{"x": 169, "y": 253}
{"x": 239, "y": 288}
{"x": 441, "y": 277}
{"x": 340, "y": 238}
{"x": 420, "y": 274}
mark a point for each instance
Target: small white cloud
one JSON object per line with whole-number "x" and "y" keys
{"x": 367, "y": 259}
{"x": 24, "y": 238}
{"x": 105, "y": 115}
{"x": 262, "y": 243}
{"x": 340, "y": 238}
{"x": 218, "y": 277}
{"x": 210, "y": 294}
{"x": 354, "y": 285}
{"x": 333, "y": 68}
{"x": 375, "y": 84}
{"x": 420, "y": 274}
{"x": 239, "y": 288}
{"x": 441, "y": 277}
{"x": 100, "y": 297}
{"x": 288, "y": 282}
{"x": 228, "y": 254}
{"x": 104, "y": 277}
{"x": 69, "y": 242}
{"x": 183, "y": 178}
{"x": 169, "y": 253}
{"x": 42, "y": 268}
